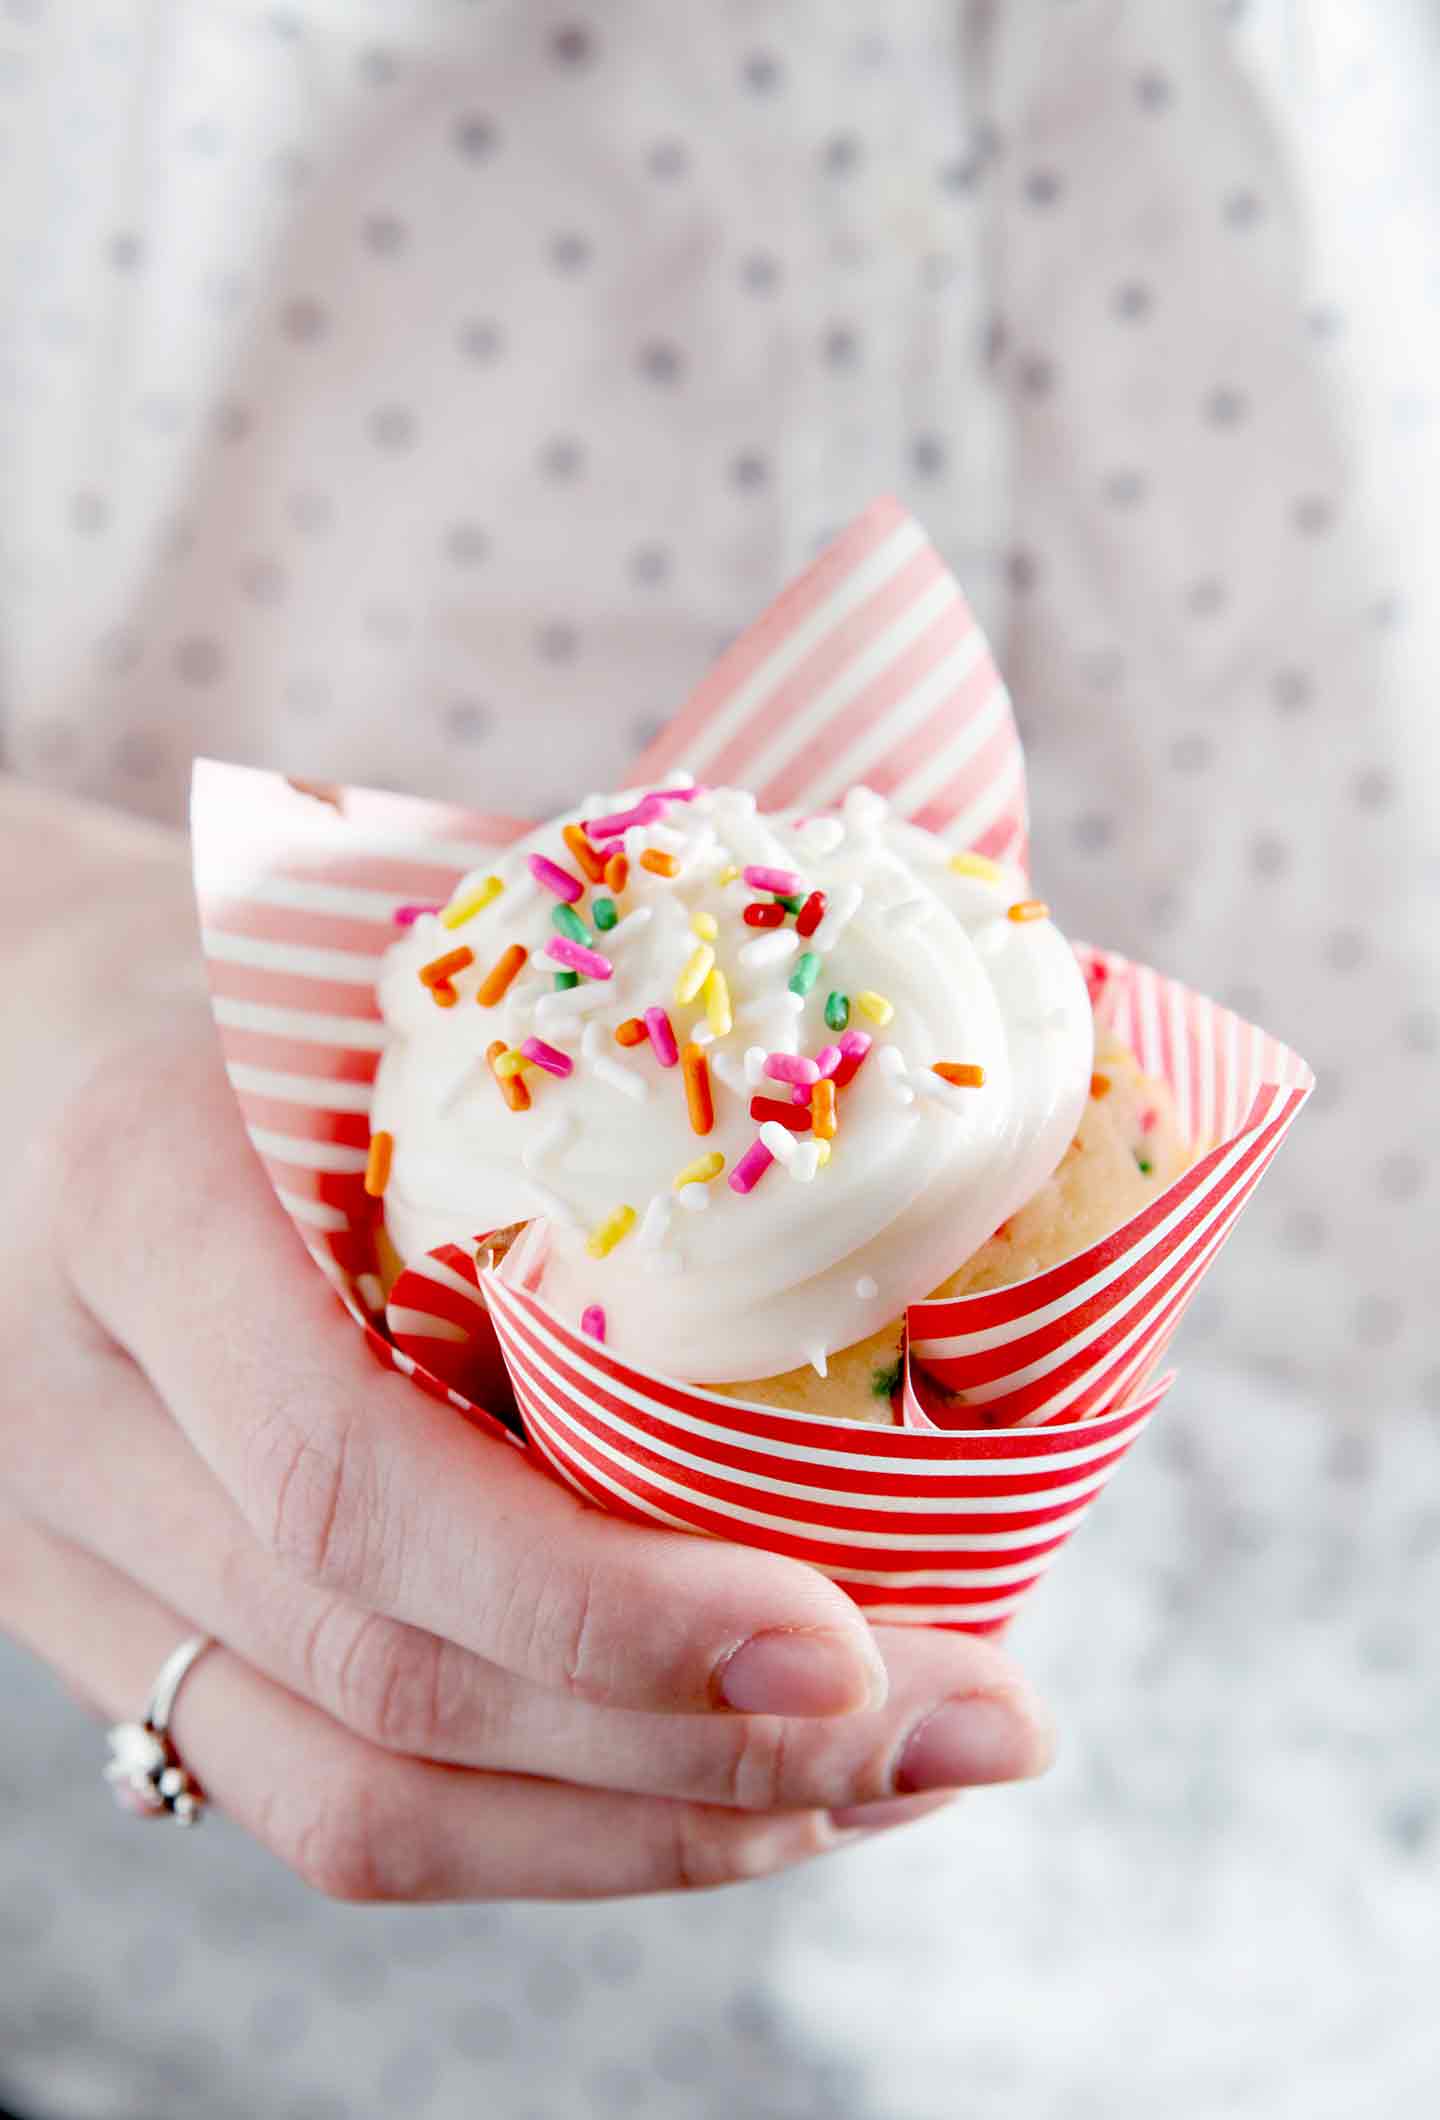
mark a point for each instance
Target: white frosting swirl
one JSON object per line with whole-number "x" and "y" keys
{"x": 712, "y": 1284}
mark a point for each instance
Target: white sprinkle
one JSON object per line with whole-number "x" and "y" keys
{"x": 467, "y": 1076}
{"x": 821, "y": 835}
{"x": 520, "y": 889}
{"x": 702, "y": 1034}
{"x": 867, "y": 1288}
{"x": 552, "y": 1206}
{"x": 779, "y": 1140}
{"x": 593, "y": 1043}
{"x": 371, "y": 1293}
{"x": 667, "y": 839}
{"x": 784, "y": 1003}
{"x": 679, "y": 778}
{"x": 817, "y": 1359}
{"x": 624, "y": 1079}
{"x": 694, "y": 1198}
{"x": 842, "y": 909}
{"x": 865, "y": 811}
{"x": 805, "y": 1161}
{"x": 635, "y": 839}
{"x": 771, "y": 947}
{"x": 723, "y": 1066}
{"x": 655, "y": 1222}
{"x": 547, "y": 1140}
{"x": 754, "y": 1065}
{"x": 906, "y": 911}
{"x": 895, "y": 1072}
{"x": 639, "y": 916}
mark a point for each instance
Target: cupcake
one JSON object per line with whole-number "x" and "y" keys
{"x": 753, "y": 1084}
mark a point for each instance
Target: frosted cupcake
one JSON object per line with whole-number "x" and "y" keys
{"x": 755, "y": 1083}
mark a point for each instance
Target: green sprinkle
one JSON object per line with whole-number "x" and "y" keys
{"x": 565, "y": 980}
{"x": 837, "y": 1011}
{"x": 806, "y": 972}
{"x": 604, "y": 914}
{"x": 569, "y": 923}
{"x": 791, "y": 905}
{"x": 884, "y": 1383}
{"x": 1144, "y": 1162}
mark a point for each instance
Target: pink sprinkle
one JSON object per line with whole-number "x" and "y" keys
{"x": 791, "y": 1067}
{"x": 678, "y": 794}
{"x": 801, "y": 1093}
{"x": 854, "y": 1045}
{"x": 782, "y": 881}
{"x": 645, "y": 812}
{"x": 662, "y": 1037}
{"x": 828, "y": 1059}
{"x": 556, "y": 879}
{"x": 407, "y": 915}
{"x": 592, "y": 1320}
{"x": 578, "y": 958}
{"x": 606, "y": 847}
{"x": 548, "y": 1057}
{"x": 1147, "y": 1119}
{"x": 751, "y": 1168}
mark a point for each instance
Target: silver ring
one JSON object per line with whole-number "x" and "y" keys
{"x": 145, "y": 1772}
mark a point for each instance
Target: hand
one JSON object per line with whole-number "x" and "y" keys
{"x": 193, "y": 1436}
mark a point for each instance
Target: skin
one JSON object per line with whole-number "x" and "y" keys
{"x": 440, "y": 1677}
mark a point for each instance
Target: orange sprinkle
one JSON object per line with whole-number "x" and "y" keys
{"x": 512, "y": 1087}
{"x": 698, "y": 1094}
{"x": 631, "y": 1032}
{"x": 1099, "y": 1085}
{"x": 377, "y": 1164}
{"x": 965, "y": 1074}
{"x": 501, "y": 975}
{"x": 443, "y": 994}
{"x": 822, "y": 1109}
{"x": 658, "y": 863}
{"x": 440, "y": 969}
{"x": 617, "y": 873}
{"x": 585, "y": 855}
{"x": 1030, "y": 909}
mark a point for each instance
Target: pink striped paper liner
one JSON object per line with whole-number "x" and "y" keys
{"x": 871, "y": 667}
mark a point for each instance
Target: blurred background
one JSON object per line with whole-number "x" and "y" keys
{"x": 422, "y": 393}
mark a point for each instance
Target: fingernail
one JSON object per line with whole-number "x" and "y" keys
{"x": 968, "y": 1741}
{"x": 894, "y": 1811}
{"x": 802, "y": 1671}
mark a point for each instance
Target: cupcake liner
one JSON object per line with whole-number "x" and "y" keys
{"x": 869, "y": 668}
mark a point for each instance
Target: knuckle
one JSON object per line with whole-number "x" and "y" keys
{"x": 757, "y": 1768}
{"x": 393, "y": 1685}
{"x": 710, "y": 1847}
{"x": 308, "y": 1492}
{"x": 341, "y": 1840}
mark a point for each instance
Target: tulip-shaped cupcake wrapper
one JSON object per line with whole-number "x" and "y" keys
{"x": 1019, "y": 1403}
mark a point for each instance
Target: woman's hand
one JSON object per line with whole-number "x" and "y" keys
{"x": 440, "y": 1676}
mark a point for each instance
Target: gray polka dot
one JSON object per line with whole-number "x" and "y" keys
{"x": 1312, "y": 515}
{"x": 1022, "y": 570}
{"x": 569, "y": 251}
{"x": 1124, "y": 489}
{"x": 263, "y": 580}
{"x": 389, "y": 622}
{"x": 1269, "y": 856}
{"x": 1153, "y": 91}
{"x": 660, "y": 362}
{"x": 233, "y": 421}
{"x": 465, "y": 721}
{"x": 1224, "y": 406}
{"x": 1035, "y": 374}
{"x": 615, "y": 1955}
{"x": 139, "y": 755}
{"x": 929, "y": 456}
{"x": 1093, "y": 831}
{"x": 279, "y": 2022}
{"x": 1345, "y": 949}
{"x": 840, "y": 347}
{"x": 392, "y": 427}
{"x": 1324, "y": 321}
{"x": 562, "y": 457}
{"x": 310, "y": 511}
{"x": 1329, "y": 1089}
{"x": 994, "y": 339}
{"x": 1410, "y": 1822}
{"x": 225, "y": 292}
{"x": 1241, "y": 209}
{"x": 761, "y": 73}
{"x": 307, "y": 692}
{"x": 754, "y": 2017}
{"x": 749, "y": 470}
{"x": 682, "y": 2054}
{"x": 1373, "y": 788}
{"x": 125, "y": 251}
{"x": 937, "y": 269}
{"x": 479, "y": 339}
{"x": 204, "y": 137}
{"x": 1400, "y": 1175}
{"x": 303, "y": 319}
{"x": 872, "y": 48}
{"x": 759, "y": 272}
{"x": 482, "y": 2032}
{"x": 1043, "y": 187}
{"x": 199, "y": 660}
{"x": 379, "y": 67}
{"x": 474, "y": 137}
{"x": 964, "y": 172}
{"x": 1421, "y": 1031}
{"x": 1386, "y": 613}
{"x": 89, "y": 512}
{"x": 617, "y": 2087}
{"x": 118, "y": 652}
{"x": 572, "y": 45}
{"x": 293, "y": 170}
{"x": 284, "y": 23}
{"x": 668, "y": 160}
{"x": 650, "y": 565}
{"x": 1192, "y": 752}
{"x": 357, "y": 1974}
{"x": 840, "y": 156}
{"x": 467, "y": 543}
{"x": 646, "y": 728}
{"x": 1205, "y": 597}
{"x": 1292, "y": 690}
{"x": 408, "y": 2079}
{"x": 557, "y": 642}
{"x": 1376, "y": 1321}
{"x": 1132, "y": 300}
{"x": 1104, "y": 668}
{"x": 1304, "y": 1231}
{"x": 553, "y": 1988}
{"x": 385, "y": 234}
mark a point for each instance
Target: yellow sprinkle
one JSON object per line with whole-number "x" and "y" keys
{"x": 460, "y": 910}
{"x": 508, "y": 1064}
{"x": 875, "y": 1006}
{"x": 822, "y": 1149}
{"x": 717, "y": 1003}
{"x": 702, "y": 1170}
{"x": 696, "y": 972}
{"x": 727, "y": 875}
{"x": 977, "y": 865}
{"x": 607, "y": 1234}
{"x": 705, "y": 925}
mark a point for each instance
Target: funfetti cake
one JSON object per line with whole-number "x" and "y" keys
{"x": 765, "y": 1079}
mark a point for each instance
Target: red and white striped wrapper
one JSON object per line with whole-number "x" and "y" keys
{"x": 870, "y": 668}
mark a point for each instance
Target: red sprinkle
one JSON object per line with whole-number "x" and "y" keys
{"x": 795, "y": 1117}
{"x": 765, "y": 913}
{"x": 811, "y": 913}
{"x": 854, "y": 1045}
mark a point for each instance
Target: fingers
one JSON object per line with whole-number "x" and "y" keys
{"x": 131, "y": 1489}
{"x": 351, "y": 1479}
{"x": 359, "y": 1824}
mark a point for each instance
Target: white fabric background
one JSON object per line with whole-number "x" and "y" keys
{"x": 421, "y": 393}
